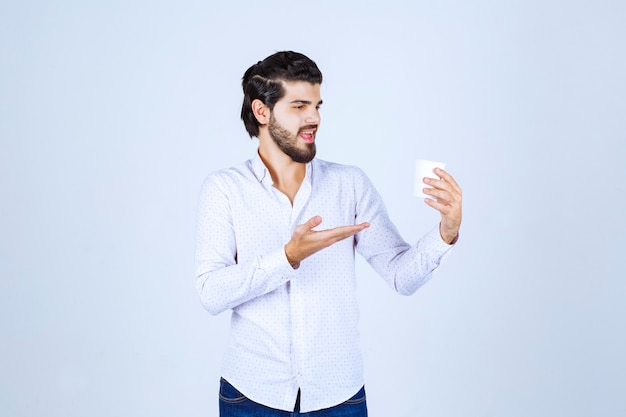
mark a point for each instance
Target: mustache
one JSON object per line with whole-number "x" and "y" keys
{"x": 302, "y": 129}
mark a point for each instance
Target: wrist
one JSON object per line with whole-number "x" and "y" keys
{"x": 449, "y": 236}
{"x": 292, "y": 261}
{"x": 451, "y": 240}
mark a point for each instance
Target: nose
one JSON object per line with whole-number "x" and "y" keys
{"x": 313, "y": 117}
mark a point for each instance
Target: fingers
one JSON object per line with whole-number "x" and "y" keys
{"x": 444, "y": 196}
{"x": 339, "y": 233}
{"x": 443, "y": 199}
{"x": 448, "y": 200}
{"x": 342, "y": 232}
{"x": 443, "y": 207}
{"x": 306, "y": 241}
{"x": 445, "y": 189}
{"x": 446, "y": 177}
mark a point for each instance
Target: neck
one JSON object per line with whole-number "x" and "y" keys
{"x": 287, "y": 175}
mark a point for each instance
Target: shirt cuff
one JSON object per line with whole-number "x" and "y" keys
{"x": 434, "y": 242}
{"x": 276, "y": 263}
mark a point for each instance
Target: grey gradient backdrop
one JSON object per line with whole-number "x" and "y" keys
{"x": 112, "y": 113}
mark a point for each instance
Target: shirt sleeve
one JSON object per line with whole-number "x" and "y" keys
{"x": 222, "y": 282}
{"x": 403, "y": 266}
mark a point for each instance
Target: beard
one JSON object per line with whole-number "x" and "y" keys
{"x": 288, "y": 143}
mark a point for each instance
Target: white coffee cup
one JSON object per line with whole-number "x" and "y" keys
{"x": 423, "y": 169}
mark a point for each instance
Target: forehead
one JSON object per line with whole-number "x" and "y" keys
{"x": 301, "y": 90}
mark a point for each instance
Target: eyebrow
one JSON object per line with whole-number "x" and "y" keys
{"x": 319, "y": 103}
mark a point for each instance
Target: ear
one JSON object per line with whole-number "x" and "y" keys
{"x": 261, "y": 112}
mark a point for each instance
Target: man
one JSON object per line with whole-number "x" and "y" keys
{"x": 276, "y": 243}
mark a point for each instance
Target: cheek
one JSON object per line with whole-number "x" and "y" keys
{"x": 292, "y": 123}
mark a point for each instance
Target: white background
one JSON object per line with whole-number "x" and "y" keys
{"x": 112, "y": 113}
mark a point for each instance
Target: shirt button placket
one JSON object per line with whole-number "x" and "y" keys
{"x": 298, "y": 315}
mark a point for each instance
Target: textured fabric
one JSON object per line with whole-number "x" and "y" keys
{"x": 297, "y": 328}
{"x": 234, "y": 404}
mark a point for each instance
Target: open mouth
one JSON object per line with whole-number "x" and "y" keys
{"x": 308, "y": 134}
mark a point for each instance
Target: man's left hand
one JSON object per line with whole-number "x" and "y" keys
{"x": 449, "y": 198}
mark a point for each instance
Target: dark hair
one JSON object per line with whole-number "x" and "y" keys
{"x": 263, "y": 81}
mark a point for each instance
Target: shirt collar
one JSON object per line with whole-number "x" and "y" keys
{"x": 259, "y": 169}
{"x": 262, "y": 174}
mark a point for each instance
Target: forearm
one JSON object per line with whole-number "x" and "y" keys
{"x": 404, "y": 267}
{"x": 415, "y": 267}
{"x": 222, "y": 287}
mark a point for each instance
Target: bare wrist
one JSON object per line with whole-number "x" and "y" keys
{"x": 449, "y": 237}
{"x": 450, "y": 240}
{"x": 293, "y": 262}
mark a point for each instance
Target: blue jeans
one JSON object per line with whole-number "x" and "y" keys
{"x": 234, "y": 404}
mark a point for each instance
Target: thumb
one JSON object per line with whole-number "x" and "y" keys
{"x": 305, "y": 228}
{"x": 313, "y": 222}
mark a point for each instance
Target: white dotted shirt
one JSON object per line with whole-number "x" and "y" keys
{"x": 297, "y": 328}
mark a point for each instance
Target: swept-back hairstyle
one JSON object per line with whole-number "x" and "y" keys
{"x": 264, "y": 79}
